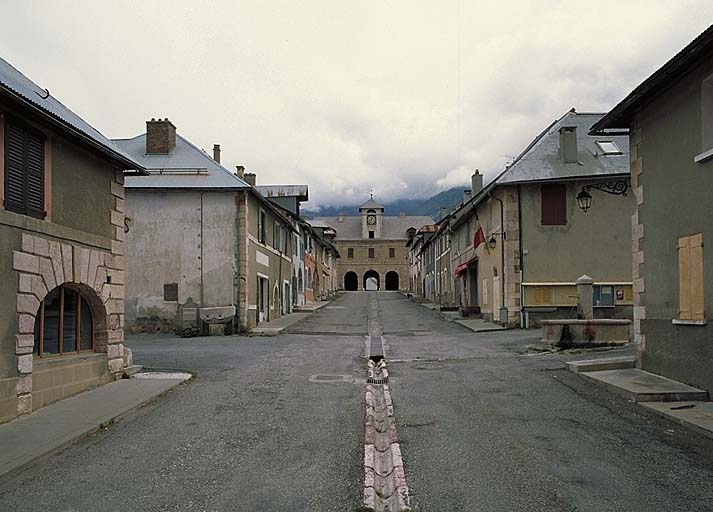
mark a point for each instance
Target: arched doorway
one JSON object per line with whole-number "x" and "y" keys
{"x": 392, "y": 280}
{"x": 351, "y": 281}
{"x": 372, "y": 281}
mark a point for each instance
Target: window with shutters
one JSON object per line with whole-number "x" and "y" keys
{"x": 261, "y": 229}
{"x": 553, "y": 205}
{"x": 392, "y": 252}
{"x": 371, "y": 253}
{"x": 350, "y": 253}
{"x": 690, "y": 278}
{"x": 24, "y": 170}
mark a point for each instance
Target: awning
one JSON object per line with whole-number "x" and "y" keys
{"x": 463, "y": 267}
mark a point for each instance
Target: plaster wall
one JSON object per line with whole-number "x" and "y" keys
{"x": 674, "y": 201}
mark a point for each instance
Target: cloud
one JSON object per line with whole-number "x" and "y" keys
{"x": 405, "y": 97}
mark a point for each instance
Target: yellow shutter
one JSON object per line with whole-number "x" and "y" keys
{"x": 696, "y": 262}
{"x": 690, "y": 277}
{"x": 684, "y": 278}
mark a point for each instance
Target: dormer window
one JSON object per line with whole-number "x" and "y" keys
{"x": 608, "y": 147}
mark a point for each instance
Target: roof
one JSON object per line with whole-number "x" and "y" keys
{"x": 301, "y": 192}
{"x": 392, "y": 228}
{"x": 540, "y": 161}
{"x": 666, "y": 76}
{"x": 371, "y": 204}
{"x": 186, "y": 167}
{"x": 29, "y": 93}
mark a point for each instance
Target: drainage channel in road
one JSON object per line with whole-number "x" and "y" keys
{"x": 385, "y": 488}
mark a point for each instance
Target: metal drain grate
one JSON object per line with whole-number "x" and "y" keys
{"x": 372, "y": 380}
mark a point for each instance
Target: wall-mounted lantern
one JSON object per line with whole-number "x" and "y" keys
{"x": 492, "y": 242}
{"x": 615, "y": 188}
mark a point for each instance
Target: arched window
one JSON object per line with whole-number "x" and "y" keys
{"x": 64, "y": 323}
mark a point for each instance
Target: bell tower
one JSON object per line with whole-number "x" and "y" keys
{"x": 372, "y": 214}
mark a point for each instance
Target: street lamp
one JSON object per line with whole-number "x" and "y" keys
{"x": 584, "y": 200}
{"x": 492, "y": 242}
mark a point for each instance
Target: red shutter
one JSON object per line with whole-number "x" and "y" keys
{"x": 553, "y": 205}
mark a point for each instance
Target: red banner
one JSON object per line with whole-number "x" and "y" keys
{"x": 479, "y": 238}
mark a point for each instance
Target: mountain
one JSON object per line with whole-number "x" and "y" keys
{"x": 431, "y": 206}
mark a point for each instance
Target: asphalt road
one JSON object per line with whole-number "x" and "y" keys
{"x": 486, "y": 424}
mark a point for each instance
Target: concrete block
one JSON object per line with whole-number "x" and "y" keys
{"x": 117, "y": 218}
{"x": 84, "y": 255}
{"x": 41, "y": 247}
{"x": 24, "y": 344}
{"x": 131, "y": 370}
{"x": 24, "y": 363}
{"x": 47, "y": 273}
{"x": 24, "y": 404}
{"x": 23, "y": 262}
{"x": 24, "y": 385}
{"x": 117, "y": 190}
{"x": 604, "y": 363}
{"x": 117, "y": 248}
{"x": 57, "y": 265}
{"x": 25, "y": 285}
{"x": 67, "y": 262}
{"x": 641, "y": 386}
{"x": 116, "y": 365}
{"x": 119, "y": 204}
{"x": 26, "y": 324}
{"x": 119, "y": 234}
{"x": 39, "y": 289}
{"x": 28, "y": 243}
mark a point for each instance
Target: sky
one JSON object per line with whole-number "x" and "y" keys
{"x": 403, "y": 97}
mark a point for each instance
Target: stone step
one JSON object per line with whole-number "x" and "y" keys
{"x": 132, "y": 370}
{"x": 640, "y": 386}
{"x": 604, "y": 363}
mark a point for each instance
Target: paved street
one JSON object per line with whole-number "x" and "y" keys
{"x": 485, "y": 423}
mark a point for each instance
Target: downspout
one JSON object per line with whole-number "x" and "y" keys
{"x": 502, "y": 251}
{"x": 522, "y": 259}
{"x": 202, "y": 244}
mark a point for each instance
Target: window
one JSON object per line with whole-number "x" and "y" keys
{"x": 261, "y": 230}
{"x": 279, "y": 240}
{"x": 608, "y": 147}
{"x": 371, "y": 234}
{"x": 24, "y": 171}
{"x": 392, "y": 252}
{"x": 170, "y": 292}
{"x": 64, "y": 323}
{"x": 350, "y": 253}
{"x": 553, "y": 205}
{"x": 371, "y": 253}
{"x": 603, "y": 295}
{"x": 690, "y": 278}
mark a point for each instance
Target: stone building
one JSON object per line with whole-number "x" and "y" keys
{"x": 204, "y": 247}
{"x": 61, "y": 250}
{"x": 670, "y": 120}
{"x": 372, "y": 247}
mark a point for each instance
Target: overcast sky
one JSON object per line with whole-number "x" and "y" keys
{"x": 404, "y": 97}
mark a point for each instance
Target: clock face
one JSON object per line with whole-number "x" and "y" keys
{"x": 371, "y": 219}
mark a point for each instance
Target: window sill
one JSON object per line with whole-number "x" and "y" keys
{"x": 706, "y": 155}
{"x": 677, "y": 321}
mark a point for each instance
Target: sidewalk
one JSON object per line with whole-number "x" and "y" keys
{"x": 46, "y": 431}
{"x": 686, "y": 405}
{"x": 470, "y": 323}
{"x": 275, "y": 327}
{"x": 310, "y": 308}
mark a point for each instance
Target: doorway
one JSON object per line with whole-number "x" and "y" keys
{"x": 262, "y": 299}
{"x": 372, "y": 281}
{"x": 392, "y": 280}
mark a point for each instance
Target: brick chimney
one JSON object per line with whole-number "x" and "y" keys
{"x": 568, "y": 144}
{"x": 443, "y": 213}
{"x": 476, "y": 183}
{"x": 402, "y": 214}
{"x": 216, "y": 152}
{"x": 240, "y": 171}
{"x": 340, "y": 217}
{"x": 250, "y": 178}
{"x": 160, "y": 137}
{"x": 466, "y": 196}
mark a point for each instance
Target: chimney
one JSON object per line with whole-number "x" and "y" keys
{"x": 160, "y": 137}
{"x": 443, "y": 213}
{"x": 250, "y": 178}
{"x": 466, "y": 196}
{"x": 340, "y": 217}
{"x": 402, "y": 214}
{"x": 568, "y": 144}
{"x": 240, "y": 171}
{"x": 216, "y": 152}
{"x": 476, "y": 183}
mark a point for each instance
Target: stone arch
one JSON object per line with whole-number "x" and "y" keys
{"x": 351, "y": 281}
{"x": 368, "y": 276}
{"x": 391, "y": 280}
{"x": 44, "y": 265}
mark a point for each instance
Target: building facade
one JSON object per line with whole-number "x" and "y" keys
{"x": 61, "y": 250}
{"x": 372, "y": 247}
{"x": 670, "y": 122}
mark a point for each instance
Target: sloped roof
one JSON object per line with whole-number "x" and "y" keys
{"x": 186, "y": 166}
{"x": 22, "y": 88}
{"x": 392, "y": 228}
{"x": 371, "y": 204}
{"x": 667, "y": 75}
{"x": 541, "y": 160}
{"x": 301, "y": 192}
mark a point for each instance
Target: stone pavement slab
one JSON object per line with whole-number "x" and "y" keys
{"x": 479, "y": 325}
{"x": 641, "y": 386}
{"x": 315, "y": 306}
{"x": 603, "y": 363}
{"x": 697, "y": 416}
{"x": 278, "y": 325}
{"x": 29, "y": 438}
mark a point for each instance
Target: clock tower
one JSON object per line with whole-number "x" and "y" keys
{"x": 371, "y": 218}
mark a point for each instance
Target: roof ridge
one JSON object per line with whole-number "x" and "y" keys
{"x": 207, "y": 156}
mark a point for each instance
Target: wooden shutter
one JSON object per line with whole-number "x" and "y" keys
{"x": 690, "y": 278}
{"x": 553, "y": 205}
{"x": 24, "y": 171}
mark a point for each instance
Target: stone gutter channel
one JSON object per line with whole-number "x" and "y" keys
{"x": 385, "y": 488}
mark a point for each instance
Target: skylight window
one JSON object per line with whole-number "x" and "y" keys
{"x": 608, "y": 147}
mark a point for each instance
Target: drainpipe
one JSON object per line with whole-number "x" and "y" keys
{"x": 503, "y": 309}
{"x": 522, "y": 259}
{"x": 202, "y": 244}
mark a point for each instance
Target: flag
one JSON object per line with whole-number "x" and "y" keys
{"x": 479, "y": 238}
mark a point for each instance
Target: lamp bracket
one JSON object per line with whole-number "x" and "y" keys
{"x": 615, "y": 188}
